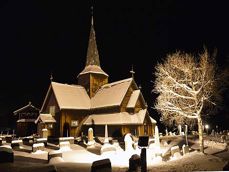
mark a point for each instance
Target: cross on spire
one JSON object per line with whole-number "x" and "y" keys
{"x": 132, "y": 71}
{"x": 51, "y": 77}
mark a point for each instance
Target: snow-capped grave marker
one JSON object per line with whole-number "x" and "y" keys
{"x": 128, "y": 142}
{"x": 179, "y": 129}
{"x": 185, "y": 149}
{"x": 91, "y": 140}
{"x": 175, "y": 151}
{"x": 106, "y": 139}
{"x": 64, "y": 146}
{"x": 103, "y": 165}
{"x": 6, "y": 154}
{"x": 0, "y": 141}
{"x": 42, "y": 140}
{"x": 15, "y": 144}
{"x": 64, "y": 139}
{"x": 135, "y": 163}
{"x": 38, "y": 146}
{"x": 54, "y": 153}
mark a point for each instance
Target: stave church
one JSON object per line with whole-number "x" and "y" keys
{"x": 69, "y": 110}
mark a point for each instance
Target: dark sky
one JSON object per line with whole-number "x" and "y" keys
{"x": 39, "y": 37}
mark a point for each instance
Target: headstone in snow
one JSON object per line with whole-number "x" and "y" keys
{"x": 54, "y": 153}
{"x": 128, "y": 142}
{"x": 38, "y": 146}
{"x": 0, "y": 141}
{"x": 91, "y": 140}
{"x": 170, "y": 133}
{"x": 6, "y": 154}
{"x": 166, "y": 132}
{"x": 65, "y": 146}
{"x": 135, "y": 163}
{"x": 179, "y": 129}
{"x": 8, "y": 139}
{"x": 175, "y": 151}
{"x": 213, "y": 133}
{"x": 103, "y": 165}
{"x": 42, "y": 140}
{"x": 15, "y": 144}
{"x": 185, "y": 149}
{"x": 157, "y": 140}
{"x": 106, "y": 139}
{"x": 108, "y": 149}
{"x": 64, "y": 139}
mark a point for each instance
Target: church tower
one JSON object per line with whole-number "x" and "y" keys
{"x": 92, "y": 77}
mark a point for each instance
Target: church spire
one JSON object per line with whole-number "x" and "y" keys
{"x": 92, "y": 51}
{"x": 92, "y": 77}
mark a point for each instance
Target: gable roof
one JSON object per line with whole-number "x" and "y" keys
{"x": 133, "y": 99}
{"x": 69, "y": 96}
{"x": 111, "y": 94}
{"x": 122, "y": 118}
{"x": 46, "y": 118}
{"x": 28, "y": 106}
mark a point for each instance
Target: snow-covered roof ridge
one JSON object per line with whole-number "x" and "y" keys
{"x": 71, "y": 85}
{"x": 116, "y": 82}
{"x": 24, "y": 107}
{"x": 111, "y": 94}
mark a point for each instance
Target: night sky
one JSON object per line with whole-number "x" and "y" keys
{"x": 40, "y": 37}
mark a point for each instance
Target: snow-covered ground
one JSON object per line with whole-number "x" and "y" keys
{"x": 81, "y": 159}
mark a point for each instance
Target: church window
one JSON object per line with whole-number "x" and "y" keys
{"x": 52, "y": 110}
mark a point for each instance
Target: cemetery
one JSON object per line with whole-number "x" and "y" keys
{"x": 163, "y": 152}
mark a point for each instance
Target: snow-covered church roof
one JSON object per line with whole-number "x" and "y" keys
{"x": 122, "y": 118}
{"x": 111, "y": 94}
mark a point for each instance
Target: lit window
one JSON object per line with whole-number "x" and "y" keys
{"x": 50, "y": 126}
{"x": 52, "y": 110}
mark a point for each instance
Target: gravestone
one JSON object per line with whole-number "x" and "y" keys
{"x": 42, "y": 140}
{"x": 213, "y": 133}
{"x": 128, "y": 142}
{"x": 8, "y": 139}
{"x": 0, "y": 141}
{"x": 64, "y": 139}
{"x": 157, "y": 142}
{"x": 179, "y": 130}
{"x": 15, "y": 144}
{"x": 185, "y": 149}
{"x": 106, "y": 139}
{"x": 91, "y": 140}
{"x": 175, "y": 151}
{"x": 64, "y": 146}
{"x": 54, "y": 153}
{"x": 103, "y": 165}
{"x": 6, "y": 154}
{"x": 166, "y": 132}
{"x": 134, "y": 163}
{"x": 38, "y": 146}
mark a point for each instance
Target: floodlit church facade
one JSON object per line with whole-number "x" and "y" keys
{"x": 69, "y": 110}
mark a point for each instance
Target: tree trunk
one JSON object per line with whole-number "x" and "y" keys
{"x": 200, "y": 130}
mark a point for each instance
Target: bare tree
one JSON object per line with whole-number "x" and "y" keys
{"x": 187, "y": 86}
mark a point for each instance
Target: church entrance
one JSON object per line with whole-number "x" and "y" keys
{"x": 66, "y": 130}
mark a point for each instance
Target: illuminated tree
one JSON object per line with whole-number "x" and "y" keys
{"x": 187, "y": 86}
